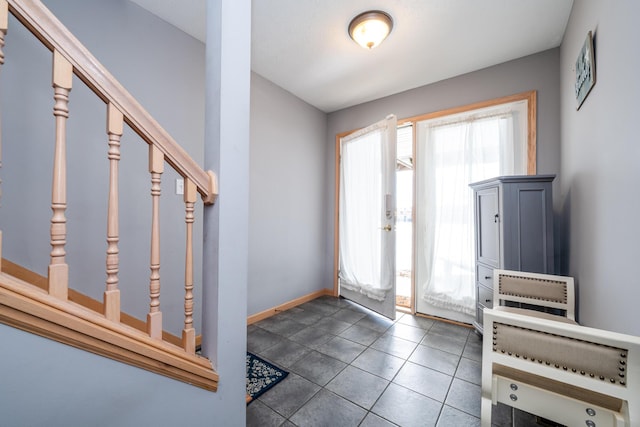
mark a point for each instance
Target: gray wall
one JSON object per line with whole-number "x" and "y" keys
{"x": 164, "y": 69}
{"x": 287, "y": 214}
{"x": 600, "y": 173}
{"x": 48, "y": 384}
{"x": 226, "y": 242}
{"x": 536, "y": 72}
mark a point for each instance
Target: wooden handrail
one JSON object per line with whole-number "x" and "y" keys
{"x": 53, "y": 34}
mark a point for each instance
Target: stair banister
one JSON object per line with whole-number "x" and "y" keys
{"x": 54, "y": 35}
{"x": 54, "y": 310}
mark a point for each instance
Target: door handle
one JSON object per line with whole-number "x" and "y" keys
{"x": 386, "y": 227}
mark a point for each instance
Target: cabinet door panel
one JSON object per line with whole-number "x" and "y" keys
{"x": 488, "y": 227}
{"x": 532, "y": 230}
{"x": 527, "y": 227}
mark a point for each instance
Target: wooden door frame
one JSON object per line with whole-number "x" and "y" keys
{"x": 532, "y": 112}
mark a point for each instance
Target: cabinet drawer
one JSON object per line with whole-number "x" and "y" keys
{"x": 484, "y": 276}
{"x": 485, "y": 296}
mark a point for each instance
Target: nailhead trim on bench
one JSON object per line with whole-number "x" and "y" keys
{"x": 621, "y": 362}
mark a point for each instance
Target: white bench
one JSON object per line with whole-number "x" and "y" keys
{"x": 534, "y": 289}
{"x": 571, "y": 374}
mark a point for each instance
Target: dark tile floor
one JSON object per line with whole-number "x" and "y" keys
{"x": 351, "y": 367}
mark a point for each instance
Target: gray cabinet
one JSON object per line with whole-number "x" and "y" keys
{"x": 514, "y": 230}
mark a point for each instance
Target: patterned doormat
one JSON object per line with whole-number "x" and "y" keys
{"x": 261, "y": 376}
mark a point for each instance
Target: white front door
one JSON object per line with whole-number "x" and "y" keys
{"x": 366, "y": 218}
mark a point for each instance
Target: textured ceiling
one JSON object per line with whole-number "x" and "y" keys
{"x": 303, "y": 45}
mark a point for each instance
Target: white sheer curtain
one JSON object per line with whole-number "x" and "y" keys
{"x": 451, "y": 154}
{"x": 364, "y": 183}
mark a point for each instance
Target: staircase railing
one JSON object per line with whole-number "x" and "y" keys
{"x": 50, "y": 311}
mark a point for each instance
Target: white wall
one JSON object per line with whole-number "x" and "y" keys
{"x": 535, "y": 72}
{"x": 600, "y": 172}
{"x": 287, "y": 213}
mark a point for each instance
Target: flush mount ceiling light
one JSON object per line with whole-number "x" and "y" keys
{"x": 370, "y": 28}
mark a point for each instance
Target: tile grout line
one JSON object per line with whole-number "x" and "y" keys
{"x": 380, "y": 334}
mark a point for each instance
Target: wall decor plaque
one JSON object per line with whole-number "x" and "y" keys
{"x": 585, "y": 71}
